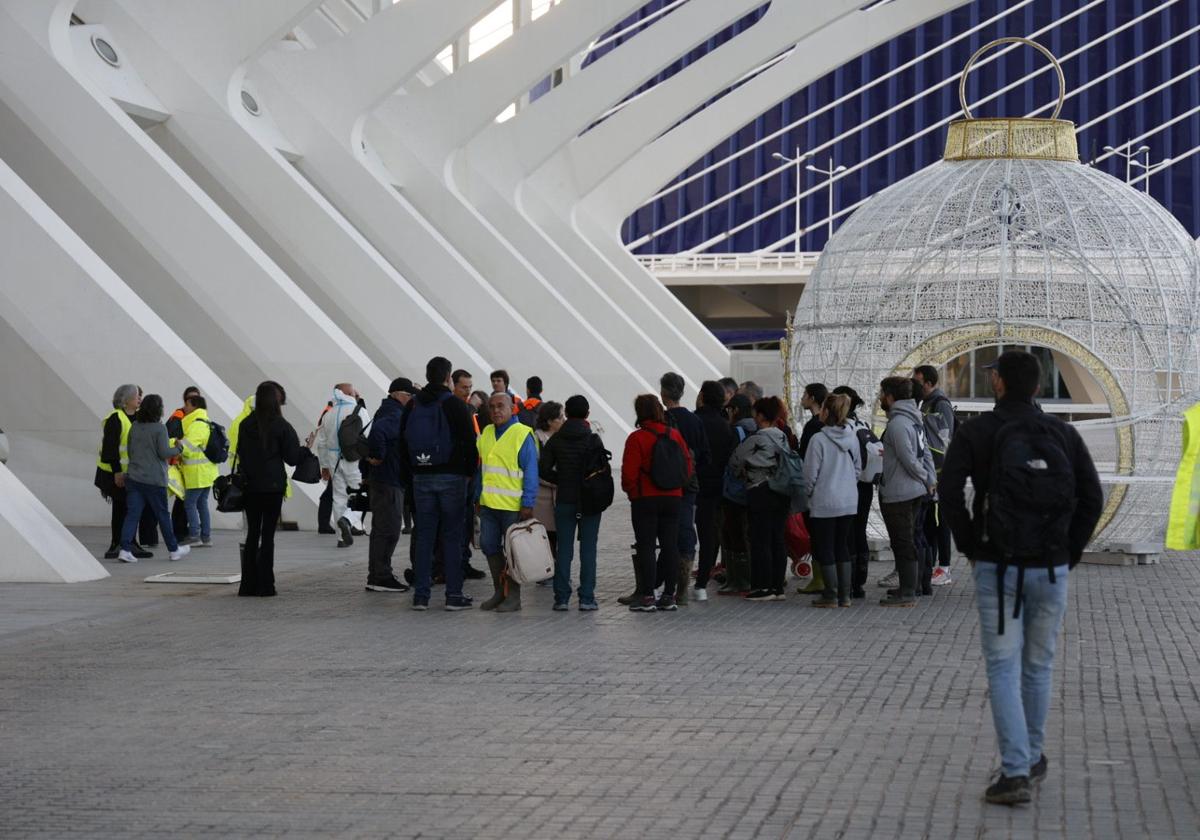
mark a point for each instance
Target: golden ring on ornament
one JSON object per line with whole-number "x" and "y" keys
{"x": 1062, "y": 82}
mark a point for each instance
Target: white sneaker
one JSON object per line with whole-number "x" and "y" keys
{"x": 941, "y": 576}
{"x": 890, "y": 581}
{"x": 125, "y": 557}
{"x": 699, "y": 594}
{"x": 179, "y": 554}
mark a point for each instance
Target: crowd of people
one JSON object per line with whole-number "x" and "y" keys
{"x": 715, "y": 491}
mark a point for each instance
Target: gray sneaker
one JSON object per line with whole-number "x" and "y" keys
{"x": 889, "y": 581}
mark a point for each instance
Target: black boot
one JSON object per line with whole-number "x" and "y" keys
{"x": 496, "y": 567}
{"x": 626, "y": 600}
{"x": 858, "y": 577}
{"x": 248, "y": 585}
{"x": 843, "y": 584}
{"x": 828, "y": 593}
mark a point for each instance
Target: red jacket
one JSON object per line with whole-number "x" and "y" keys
{"x": 635, "y": 465}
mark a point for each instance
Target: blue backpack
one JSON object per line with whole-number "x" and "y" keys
{"x": 734, "y": 489}
{"x": 427, "y": 433}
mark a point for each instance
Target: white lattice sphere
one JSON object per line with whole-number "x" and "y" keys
{"x": 968, "y": 253}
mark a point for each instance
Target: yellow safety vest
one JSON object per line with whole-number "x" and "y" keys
{"x": 1183, "y": 527}
{"x": 175, "y": 481}
{"x": 198, "y": 472}
{"x": 503, "y": 478}
{"x": 126, "y": 425}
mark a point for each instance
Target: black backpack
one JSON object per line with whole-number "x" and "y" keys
{"x": 1031, "y": 490}
{"x": 352, "y": 437}
{"x": 668, "y": 463}
{"x": 217, "y": 448}
{"x": 597, "y": 490}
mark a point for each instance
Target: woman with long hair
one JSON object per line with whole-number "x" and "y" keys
{"x": 655, "y": 490}
{"x": 265, "y": 443}
{"x": 149, "y": 449}
{"x": 860, "y": 550}
{"x": 830, "y": 482}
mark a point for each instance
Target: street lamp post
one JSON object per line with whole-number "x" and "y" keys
{"x": 828, "y": 173}
{"x": 1149, "y": 168}
{"x": 796, "y": 161}
{"x": 1126, "y": 152}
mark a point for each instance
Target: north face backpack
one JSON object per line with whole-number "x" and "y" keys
{"x": 352, "y": 437}
{"x": 217, "y": 448}
{"x": 1031, "y": 491}
{"x": 597, "y": 490}
{"x": 427, "y": 433}
{"x": 668, "y": 463}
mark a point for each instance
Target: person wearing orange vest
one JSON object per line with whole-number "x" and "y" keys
{"x": 528, "y": 411}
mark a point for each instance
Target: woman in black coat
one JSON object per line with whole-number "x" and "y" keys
{"x": 265, "y": 443}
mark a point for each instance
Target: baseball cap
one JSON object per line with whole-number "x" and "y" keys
{"x": 401, "y": 383}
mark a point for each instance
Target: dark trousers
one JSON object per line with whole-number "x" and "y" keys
{"x": 258, "y": 557}
{"x": 468, "y": 533}
{"x": 140, "y": 498}
{"x": 926, "y": 550}
{"x": 325, "y": 508}
{"x": 708, "y": 530}
{"x": 439, "y": 501}
{"x": 656, "y": 521}
{"x": 768, "y": 513}
{"x": 937, "y": 534}
{"x": 831, "y": 547}
{"x": 860, "y": 551}
{"x": 901, "y": 520}
{"x": 387, "y": 516}
{"x": 179, "y": 520}
{"x": 685, "y": 536}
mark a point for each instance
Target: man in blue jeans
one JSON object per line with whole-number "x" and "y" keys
{"x": 507, "y": 486}
{"x": 1037, "y": 500}
{"x": 437, "y": 442}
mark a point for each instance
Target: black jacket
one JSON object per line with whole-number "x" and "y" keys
{"x": 692, "y": 429}
{"x": 110, "y": 453}
{"x": 969, "y": 456}
{"x": 806, "y": 434}
{"x": 463, "y": 456}
{"x": 722, "y": 440}
{"x": 564, "y": 457}
{"x": 383, "y": 443}
{"x": 263, "y": 467}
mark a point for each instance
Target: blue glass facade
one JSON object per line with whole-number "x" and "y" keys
{"x": 1177, "y": 187}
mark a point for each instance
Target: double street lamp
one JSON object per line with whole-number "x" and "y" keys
{"x": 798, "y": 161}
{"x": 1130, "y": 154}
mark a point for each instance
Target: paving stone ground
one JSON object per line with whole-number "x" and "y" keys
{"x": 138, "y": 710}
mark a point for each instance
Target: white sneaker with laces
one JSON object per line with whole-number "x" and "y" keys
{"x": 890, "y": 581}
{"x": 699, "y": 594}
{"x": 125, "y": 557}
{"x": 180, "y": 553}
{"x": 941, "y": 576}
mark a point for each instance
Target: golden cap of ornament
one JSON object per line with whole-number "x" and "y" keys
{"x": 1012, "y": 137}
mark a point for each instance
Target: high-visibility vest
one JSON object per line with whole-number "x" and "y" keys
{"x": 1183, "y": 527}
{"x": 503, "y": 478}
{"x": 126, "y": 425}
{"x": 198, "y": 472}
{"x": 175, "y": 481}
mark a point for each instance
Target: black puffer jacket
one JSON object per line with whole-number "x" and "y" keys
{"x": 721, "y": 442}
{"x": 564, "y": 456}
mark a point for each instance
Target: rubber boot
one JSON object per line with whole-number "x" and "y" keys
{"x": 828, "y": 576}
{"x": 843, "y": 584}
{"x": 626, "y": 600}
{"x": 496, "y": 567}
{"x": 512, "y": 596}
{"x": 817, "y": 584}
{"x": 685, "y": 579}
{"x": 737, "y": 574}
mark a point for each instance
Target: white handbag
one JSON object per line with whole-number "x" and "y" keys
{"x": 528, "y": 551}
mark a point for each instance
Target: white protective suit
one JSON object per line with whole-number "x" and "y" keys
{"x": 345, "y": 474}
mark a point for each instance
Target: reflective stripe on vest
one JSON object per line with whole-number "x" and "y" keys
{"x": 126, "y": 425}
{"x": 175, "y": 482}
{"x": 1183, "y": 527}
{"x": 503, "y": 478}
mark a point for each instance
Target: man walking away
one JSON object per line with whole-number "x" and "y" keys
{"x": 508, "y": 486}
{"x": 1037, "y": 500}
{"x": 342, "y": 474}
{"x": 908, "y": 477}
{"x": 437, "y": 441}
{"x": 692, "y": 428}
{"x": 938, "y": 414}
{"x": 387, "y": 487}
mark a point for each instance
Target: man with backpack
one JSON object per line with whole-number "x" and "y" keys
{"x": 386, "y": 481}
{"x": 437, "y": 443}
{"x": 908, "y": 478}
{"x": 938, "y": 414}
{"x": 527, "y": 412}
{"x": 575, "y": 461}
{"x": 205, "y": 445}
{"x": 338, "y": 454}
{"x": 1037, "y": 500}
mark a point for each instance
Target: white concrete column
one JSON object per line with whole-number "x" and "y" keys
{"x": 34, "y": 546}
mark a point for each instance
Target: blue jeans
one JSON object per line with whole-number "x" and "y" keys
{"x": 138, "y": 497}
{"x": 438, "y": 501}
{"x": 195, "y": 503}
{"x": 492, "y": 526}
{"x": 589, "y": 533}
{"x": 1020, "y": 662}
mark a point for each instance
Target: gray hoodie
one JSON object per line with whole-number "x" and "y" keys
{"x": 757, "y": 457}
{"x": 908, "y": 471}
{"x": 831, "y": 471}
